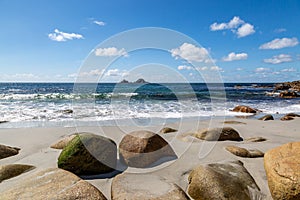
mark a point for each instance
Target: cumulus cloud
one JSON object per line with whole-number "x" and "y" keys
{"x": 279, "y": 59}
{"x": 60, "y": 36}
{"x": 235, "y": 56}
{"x": 245, "y": 29}
{"x": 236, "y": 25}
{"x": 190, "y": 53}
{"x": 216, "y": 68}
{"x": 185, "y": 67}
{"x": 110, "y": 51}
{"x": 280, "y": 43}
{"x": 261, "y": 70}
{"x": 233, "y": 23}
{"x": 116, "y": 72}
{"x": 100, "y": 23}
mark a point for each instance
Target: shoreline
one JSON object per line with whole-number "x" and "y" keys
{"x": 35, "y": 148}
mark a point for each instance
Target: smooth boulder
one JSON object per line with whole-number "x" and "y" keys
{"x": 63, "y": 142}
{"x": 167, "y": 130}
{"x": 243, "y": 152}
{"x": 225, "y": 180}
{"x": 88, "y": 154}
{"x": 142, "y": 148}
{"x": 245, "y": 109}
{"x": 288, "y": 94}
{"x": 7, "y": 151}
{"x": 289, "y": 116}
{"x": 144, "y": 186}
{"x": 256, "y": 139}
{"x": 282, "y": 165}
{"x": 218, "y": 134}
{"x": 53, "y": 184}
{"x": 12, "y": 170}
{"x": 267, "y": 118}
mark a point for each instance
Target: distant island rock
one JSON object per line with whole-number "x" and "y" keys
{"x": 139, "y": 81}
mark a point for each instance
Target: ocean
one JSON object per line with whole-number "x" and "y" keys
{"x": 69, "y": 104}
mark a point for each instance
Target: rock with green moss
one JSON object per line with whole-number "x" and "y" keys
{"x": 88, "y": 154}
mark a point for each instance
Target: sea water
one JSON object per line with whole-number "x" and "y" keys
{"x": 69, "y": 104}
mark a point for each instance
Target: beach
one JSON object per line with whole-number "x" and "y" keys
{"x": 35, "y": 149}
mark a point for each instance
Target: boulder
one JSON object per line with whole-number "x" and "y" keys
{"x": 167, "y": 130}
{"x": 288, "y": 94}
{"x": 6, "y": 151}
{"x": 224, "y": 180}
{"x": 9, "y": 171}
{"x": 88, "y": 154}
{"x": 286, "y": 118}
{"x": 289, "y": 116}
{"x": 144, "y": 186}
{"x": 142, "y": 148}
{"x": 256, "y": 139}
{"x": 63, "y": 142}
{"x": 245, "y": 109}
{"x": 53, "y": 184}
{"x": 282, "y": 165}
{"x": 267, "y": 118}
{"x": 233, "y": 122}
{"x": 242, "y": 152}
{"x": 218, "y": 134}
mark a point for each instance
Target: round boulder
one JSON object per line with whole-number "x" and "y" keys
{"x": 63, "y": 142}
{"x": 88, "y": 154}
{"x": 142, "y": 148}
{"x": 6, "y": 151}
{"x": 242, "y": 152}
{"x": 245, "y": 109}
{"x": 167, "y": 130}
{"x": 144, "y": 186}
{"x": 53, "y": 184}
{"x": 224, "y": 180}
{"x": 12, "y": 170}
{"x": 282, "y": 165}
{"x": 218, "y": 134}
{"x": 267, "y": 118}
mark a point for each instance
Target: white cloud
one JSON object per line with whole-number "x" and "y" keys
{"x": 289, "y": 70}
{"x": 245, "y": 29}
{"x": 261, "y": 70}
{"x": 202, "y": 68}
{"x": 235, "y": 56}
{"x": 216, "y": 68}
{"x": 191, "y": 74}
{"x": 191, "y": 53}
{"x": 233, "y": 23}
{"x": 280, "y": 43}
{"x": 239, "y": 69}
{"x": 60, "y": 36}
{"x": 110, "y": 51}
{"x": 279, "y": 59}
{"x": 236, "y": 25}
{"x": 183, "y": 67}
{"x": 100, "y": 23}
{"x": 116, "y": 72}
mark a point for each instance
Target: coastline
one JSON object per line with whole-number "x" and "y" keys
{"x": 35, "y": 148}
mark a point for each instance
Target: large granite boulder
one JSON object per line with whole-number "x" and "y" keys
{"x": 245, "y": 109}
{"x": 63, "y": 142}
{"x": 256, "y": 139}
{"x": 267, "y": 118}
{"x": 246, "y": 153}
{"x": 144, "y": 186}
{"x": 53, "y": 184}
{"x": 225, "y": 180}
{"x": 289, "y": 116}
{"x": 12, "y": 170}
{"x": 142, "y": 148}
{"x": 282, "y": 165}
{"x": 88, "y": 154}
{"x": 218, "y": 134}
{"x": 7, "y": 151}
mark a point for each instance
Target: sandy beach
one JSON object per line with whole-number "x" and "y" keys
{"x": 35, "y": 149}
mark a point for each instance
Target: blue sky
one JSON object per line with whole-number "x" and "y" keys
{"x": 249, "y": 41}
